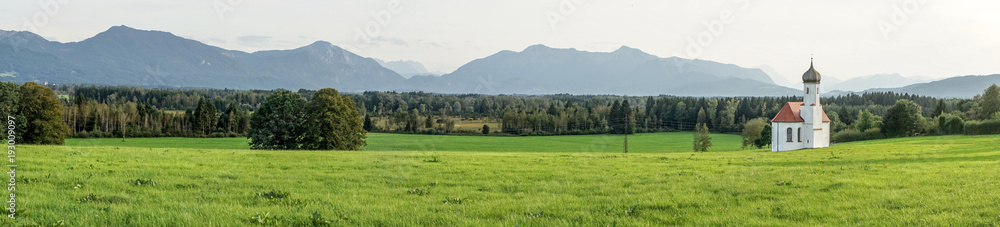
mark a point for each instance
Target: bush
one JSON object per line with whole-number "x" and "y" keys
{"x": 982, "y": 127}
{"x": 903, "y": 119}
{"x": 849, "y": 135}
{"x": 951, "y": 124}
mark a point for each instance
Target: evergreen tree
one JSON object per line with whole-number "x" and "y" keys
{"x": 204, "y": 117}
{"x": 228, "y": 120}
{"x": 680, "y": 115}
{"x": 277, "y": 124}
{"x": 486, "y": 129}
{"x": 369, "y": 126}
{"x": 941, "y": 108}
{"x": 333, "y": 122}
{"x": 43, "y": 114}
{"x": 614, "y": 116}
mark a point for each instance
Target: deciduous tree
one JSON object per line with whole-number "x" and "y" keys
{"x": 989, "y": 103}
{"x": 277, "y": 124}
{"x": 332, "y": 123}
{"x": 42, "y": 113}
{"x": 902, "y": 119}
{"x": 702, "y": 139}
{"x": 752, "y": 131}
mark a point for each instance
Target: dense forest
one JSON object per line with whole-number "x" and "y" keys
{"x": 107, "y": 111}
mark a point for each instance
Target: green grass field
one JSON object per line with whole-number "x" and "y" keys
{"x": 641, "y": 143}
{"x": 406, "y": 180}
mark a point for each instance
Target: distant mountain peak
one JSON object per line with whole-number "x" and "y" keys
{"x": 122, "y": 28}
{"x": 21, "y": 34}
{"x": 624, "y": 48}
{"x": 126, "y": 31}
{"x": 321, "y": 43}
{"x": 536, "y": 47}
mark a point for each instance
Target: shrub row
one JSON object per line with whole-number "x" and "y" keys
{"x": 982, "y": 127}
{"x": 148, "y": 134}
{"x": 849, "y": 135}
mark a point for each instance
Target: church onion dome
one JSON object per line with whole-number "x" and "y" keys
{"x": 811, "y": 75}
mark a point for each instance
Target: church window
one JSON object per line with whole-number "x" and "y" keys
{"x": 800, "y": 135}
{"x": 789, "y": 134}
{"x": 807, "y": 90}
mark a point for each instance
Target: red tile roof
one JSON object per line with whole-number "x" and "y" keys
{"x": 790, "y": 113}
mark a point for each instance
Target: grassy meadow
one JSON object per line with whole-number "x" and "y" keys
{"x": 640, "y": 143}
{"x": 406, "y": 180}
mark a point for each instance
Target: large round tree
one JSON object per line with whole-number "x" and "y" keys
{"x": 902, "y": 119}
{"x": 333, "y": 123}
{"x": 989, "y": 102}
{"x": 277, "y": 124}
{"x": 43, "y": 115}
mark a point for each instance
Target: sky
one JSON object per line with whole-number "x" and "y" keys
{"x": 847, "y": 38}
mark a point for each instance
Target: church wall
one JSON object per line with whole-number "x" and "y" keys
{"x": 822, "y": 137}
{"x": 779, "y": 136}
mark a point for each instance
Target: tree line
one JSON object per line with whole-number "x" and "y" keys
{"x": 419, "y": 112}
{"x": 109, "y": 111}
{"x": 119, "y": 118}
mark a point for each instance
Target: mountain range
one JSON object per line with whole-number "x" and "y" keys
{"x": 864, "y": 83}
{"x": 127, "y": 56}
{"x": 539, "y": 69}
{"x": 407, "y": 69}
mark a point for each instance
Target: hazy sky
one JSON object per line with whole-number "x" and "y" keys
{"x": 849, "y": 38}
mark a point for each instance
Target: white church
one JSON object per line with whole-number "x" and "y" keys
{"x": 803, "y": 124}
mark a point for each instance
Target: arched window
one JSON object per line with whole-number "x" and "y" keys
{"x": 807, "y": 90}
{"x": 800, "y": 135}
{"x": 789, "y": 134}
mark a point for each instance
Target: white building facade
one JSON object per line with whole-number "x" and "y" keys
{"x": 802, "y": 124}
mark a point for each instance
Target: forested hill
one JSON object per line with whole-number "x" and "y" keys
{"x": 127, "y": 56}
